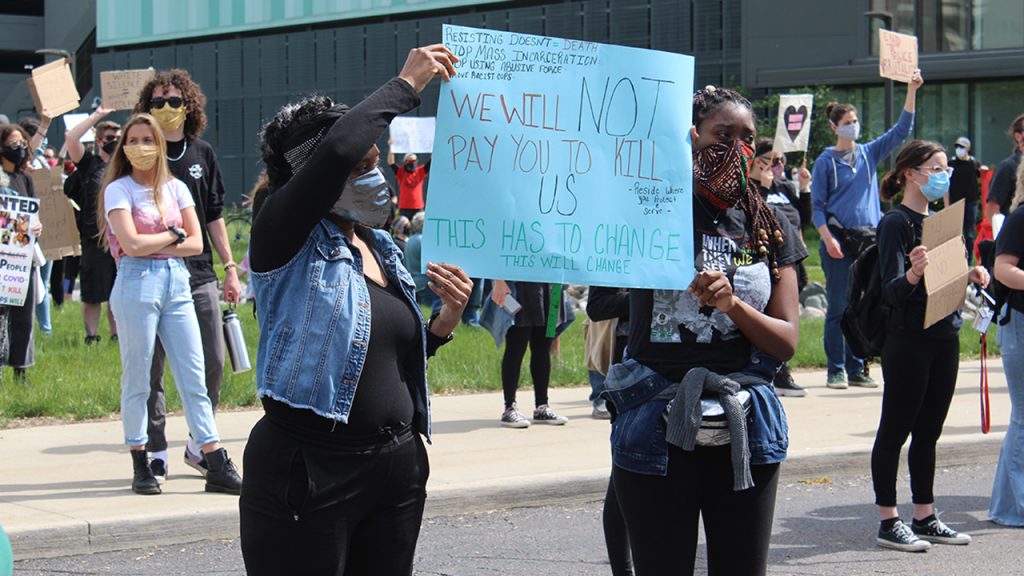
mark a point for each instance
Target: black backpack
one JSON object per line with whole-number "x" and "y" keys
{"x": 866, "y": 318}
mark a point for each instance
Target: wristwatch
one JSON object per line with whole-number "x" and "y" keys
{"x": 179, "y": 232}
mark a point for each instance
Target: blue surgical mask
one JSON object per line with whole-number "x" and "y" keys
{"x": 849, "y": 131}
{"x": 936, "y": 187}
{"x": 366, "y": 200}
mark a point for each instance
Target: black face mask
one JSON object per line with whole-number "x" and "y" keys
{"x": 109, "y": 147}
{"x": 410, "y": 167}
{"x": 15, "y": 155}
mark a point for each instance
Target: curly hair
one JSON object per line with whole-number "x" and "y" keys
{"x": 279, "y": 135}
{"x": 706, "y": 101}
{"x": 191, "y": 93}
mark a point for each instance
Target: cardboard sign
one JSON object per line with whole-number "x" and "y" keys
{"x": 897, "y": 55}
{"x": 411, "y": 135}
{"x": 563, "y": 161}
{"x": 945, "y": 278}
{"x": 53, "y": 89}
{"x": 120, "y": 89}
{"x": 60, "y": 233}
{"x": 793, "y": 130}
{"x": 16, "y": 247}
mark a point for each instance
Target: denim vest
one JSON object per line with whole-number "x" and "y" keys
{"x": 638, "y": 429}
{"x": 314, "y": 315}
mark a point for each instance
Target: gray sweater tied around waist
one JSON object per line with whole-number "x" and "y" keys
{"x": 685, "y": 416}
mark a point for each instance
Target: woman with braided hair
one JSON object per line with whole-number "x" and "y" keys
{"x": 715, "y": 345}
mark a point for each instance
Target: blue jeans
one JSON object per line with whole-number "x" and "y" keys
{"x": 596, "y": 385}
{"x": 43, "y": 308}
{"x": 837, "y": 279}
{"x": 152, "y": 297}
{"x": 1007, "y": 504}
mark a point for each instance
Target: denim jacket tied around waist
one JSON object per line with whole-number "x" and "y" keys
{"x": 314, "y": 315}
{"x": 638, "y": 429}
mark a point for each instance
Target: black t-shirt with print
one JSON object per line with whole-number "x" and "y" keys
{"x": 670, "y": 333}
{"x": 1011, "y": 241}
{"x": 194, "y": 162}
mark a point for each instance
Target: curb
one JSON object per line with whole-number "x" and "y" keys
{"x": 81, "y": 537}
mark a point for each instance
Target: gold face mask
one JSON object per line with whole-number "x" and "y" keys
{"x": 141, "y": 156}
{"x": 170, "y": 119}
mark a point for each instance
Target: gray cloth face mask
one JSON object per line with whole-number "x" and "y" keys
{"x": 365, "y": 199}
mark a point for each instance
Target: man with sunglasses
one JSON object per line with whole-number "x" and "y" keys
{"x": 96, "y": 266}
{"x": 177, "y": 102}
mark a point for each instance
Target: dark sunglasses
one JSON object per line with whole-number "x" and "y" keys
{"x": 174, "y": 101}
{"x": 110, "y": 138}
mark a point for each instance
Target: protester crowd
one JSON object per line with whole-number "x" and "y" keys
{"x": 345, "y": 396}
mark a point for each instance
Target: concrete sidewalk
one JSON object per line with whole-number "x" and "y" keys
{"x": 66, "y": 489}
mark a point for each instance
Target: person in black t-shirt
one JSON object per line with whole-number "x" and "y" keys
{"x": 963, "y": 184}
{"x": 1007, "y": 504}
{"x": 19, "y": 320}
{"x": 919, "y": 364}
{"x": 96, "y": 265}
{"x": 790, "y": 202}
{"x": 740, "y": 310}
{"x": 1000, "y": 193}
{"x": 177, "y": 103}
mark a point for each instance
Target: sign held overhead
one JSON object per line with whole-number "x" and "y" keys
{"x": 897, "y": 55}
{"x": 120, "y": 89}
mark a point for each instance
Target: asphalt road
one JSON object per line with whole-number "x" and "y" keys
{"x": 823, "y": 527}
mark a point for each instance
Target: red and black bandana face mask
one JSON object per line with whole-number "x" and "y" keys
{"x": 721, "y": 170}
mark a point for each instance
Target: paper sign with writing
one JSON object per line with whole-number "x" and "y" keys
{"x": 16, "y": 247}
{"x": 793, "y": 130}
{"x": 120, "y": 89}
{"x": 411, "y": 135}
{"x": 53, "y": 88}
{"x": 56, "y": 214}
{"x": 945, "y": 278}
{"x": 563, "y": 161}
{"x": 897, "y": 55}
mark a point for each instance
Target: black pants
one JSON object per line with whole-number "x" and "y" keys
{"x": 306, "y": 510}
{"x": 920, "y": 377}
{"x": 516, "y": 341}
{"x": 616, "y": 539}
{"x": 662, "y": 514}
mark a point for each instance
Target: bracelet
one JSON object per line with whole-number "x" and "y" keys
{"x": 229, "y": 266}
{"x": 179, "y": 233}
{"x": 918, "y": 276}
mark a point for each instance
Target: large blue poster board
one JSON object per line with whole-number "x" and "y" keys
{"x": 563, "y": 161}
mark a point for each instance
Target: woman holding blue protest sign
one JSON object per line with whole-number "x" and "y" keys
{"x": 722, "y": 338}
{"x": 336, "y": 470}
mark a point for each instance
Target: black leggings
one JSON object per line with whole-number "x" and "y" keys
{"x": 309, "y": 511}
{"x": 920, "y": 377}
{"x": 616, "y": 540}
{"x": 662, "y": 514}
{"x": 516, "y": 341}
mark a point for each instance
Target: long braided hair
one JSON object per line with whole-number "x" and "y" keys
{"x": 721, "y": 172}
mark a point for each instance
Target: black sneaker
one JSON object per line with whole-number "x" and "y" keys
{"x": 196, "y": 461}
{"x": 786, "y": 386}
{"x": 934, "y": 530}
{"x": 159, "y": 468}
{"x": 901, "y": 537}
{"x": 90, "y": 340}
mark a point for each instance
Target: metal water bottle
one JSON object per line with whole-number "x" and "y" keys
{"x": 235, "y": 340}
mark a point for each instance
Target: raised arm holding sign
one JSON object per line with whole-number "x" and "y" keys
{"x": 563, "y": 161}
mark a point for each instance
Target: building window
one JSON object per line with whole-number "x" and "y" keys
{"x": 998, "y": 24}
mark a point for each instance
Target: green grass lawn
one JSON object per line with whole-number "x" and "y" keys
{"x": 72, "y": 381}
